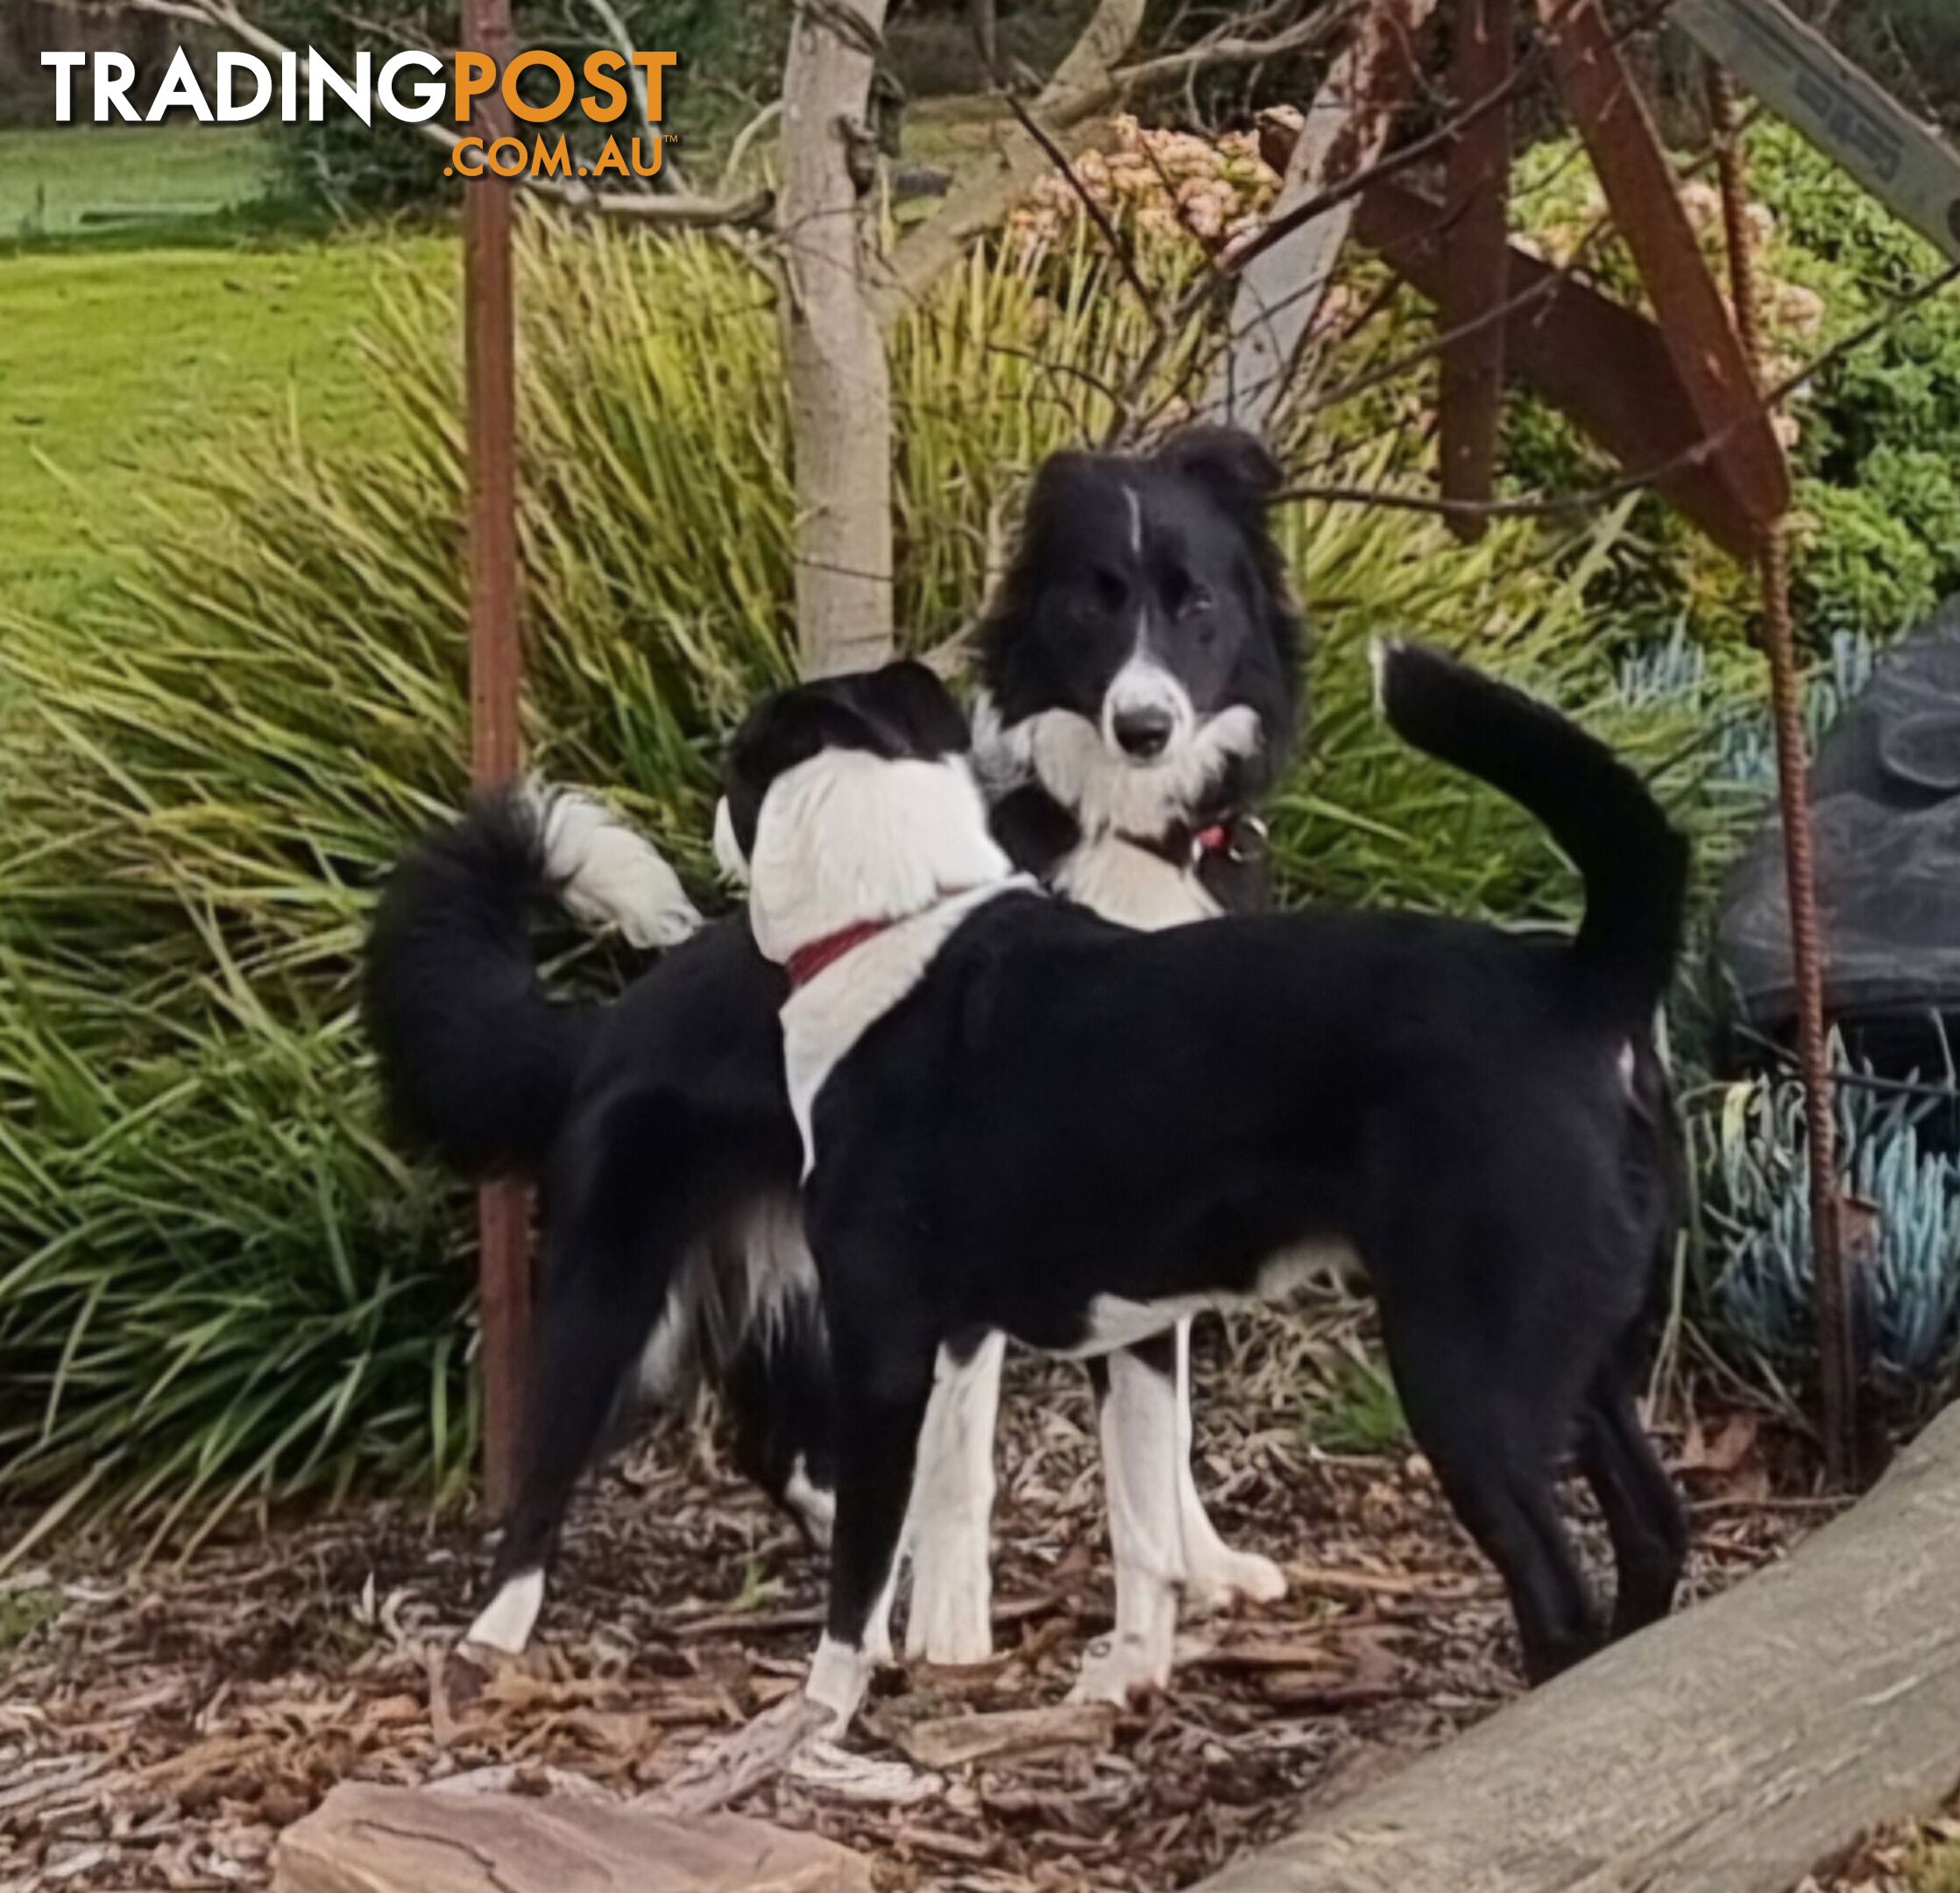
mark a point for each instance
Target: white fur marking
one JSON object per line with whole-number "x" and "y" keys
{"x": 815, "y": 1506}
{"x": 667, "y": 1361}
{"x": 849, "y": 837}
{"x": 1139, "y": 1429}
{"x": 838, "y": 1676}
{"x": 728, "y": 851}
{"x": 949, "y": 1525}
{"x": 823, "y": 1020}
{"x": 1144, "y": 684}
{"x": 1134, "y": 500}
{"x": 509, "y": 1618}
{"x": 606, "y": 875}
{"x": 1114, "y": 1322}
{"x": 1380, "y": 651}
{"x": 1216, "y": 1576}
{"x": 1133, "y": 887}
{"x": 1105, "y": 790}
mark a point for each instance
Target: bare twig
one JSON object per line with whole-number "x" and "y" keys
{"x": 986, "y": 194}
{"x": 609, "y": 17}
{"x": 753, "y": 130}
{"x": 1596, "y": 497}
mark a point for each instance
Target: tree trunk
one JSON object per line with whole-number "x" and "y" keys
{"x": 1743, "y": 1743}
{"x": 840, "y": 383}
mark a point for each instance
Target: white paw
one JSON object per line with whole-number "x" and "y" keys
{"x": 508, "y": 1620}
{"x": 1223, "y": 1579}
{"x": 1121, "y": 1670}
{"x": 838, "y": 1676}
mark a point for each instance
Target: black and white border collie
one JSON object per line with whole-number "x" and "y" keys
{"x": 1014, "y": 1116}
{"x": 1139, "y": 671}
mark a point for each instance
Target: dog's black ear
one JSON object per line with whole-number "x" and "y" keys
{"x": 784, "y": 729}
{"x": 1059, "y": 482}
{"x": 926, "y": 713}
{"x": 1236, "y": 468}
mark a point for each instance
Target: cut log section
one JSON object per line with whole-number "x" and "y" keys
{"x": 369, "y": 1839}
{"x": 1743, "y": 1743}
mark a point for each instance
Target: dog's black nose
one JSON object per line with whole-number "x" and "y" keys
{"x": 1143, "y": 733}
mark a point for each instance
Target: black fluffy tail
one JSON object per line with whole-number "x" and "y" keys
{"x": 1633, "y": 861}
{"x": 478, "y": 1064}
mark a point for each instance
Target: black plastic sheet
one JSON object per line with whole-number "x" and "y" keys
{"x": 1886, "y": 802}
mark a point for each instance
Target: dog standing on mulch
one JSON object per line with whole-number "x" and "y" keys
{"x": 1015, "y": 1117}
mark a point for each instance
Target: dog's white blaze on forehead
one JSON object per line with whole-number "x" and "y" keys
{"x": 1135, "y": 501}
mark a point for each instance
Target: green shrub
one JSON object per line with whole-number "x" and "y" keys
{"x": 1873, "y": 433}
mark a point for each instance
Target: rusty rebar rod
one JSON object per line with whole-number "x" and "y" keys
{"x": 1839, "y": 1380}
{"x": 495, "y": 670}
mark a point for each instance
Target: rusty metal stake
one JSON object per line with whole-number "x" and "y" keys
{"x": 496, "y": 669}
{"x": 1476, "y": 254}
{"x": 1839, "y": 1377}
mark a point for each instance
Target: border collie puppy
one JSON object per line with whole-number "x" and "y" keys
{"x": 1014, "y": 1116}
{"x": 1140, "y": 667}
{"x": 1140, "y": 685}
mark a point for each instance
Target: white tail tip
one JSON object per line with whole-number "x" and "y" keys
{"x": 1380, "y": 650}
{"x": 608, "y": 875}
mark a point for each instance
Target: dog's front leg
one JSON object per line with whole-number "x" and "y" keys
{"x": 1136, "y": 1395}
{"x": 1216, "y": 1576}
{"x": 879, "y": 1404}
{"x": 950, "y": 1525}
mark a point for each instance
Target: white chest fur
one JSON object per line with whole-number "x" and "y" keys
{"x": 1132, "y": 886}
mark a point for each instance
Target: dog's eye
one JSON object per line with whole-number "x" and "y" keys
{"x": 1197, "y": 603}
{"x": 1111, "y": 589}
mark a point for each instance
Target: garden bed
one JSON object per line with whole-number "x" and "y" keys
{"x": 159, "y": 1728}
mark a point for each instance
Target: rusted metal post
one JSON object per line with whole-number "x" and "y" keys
{"x": 1641, "y": 191}
{"x": 495, "y": 670}
{"x": 1476, "y": 253}
{"x": 1839, "y": 1377}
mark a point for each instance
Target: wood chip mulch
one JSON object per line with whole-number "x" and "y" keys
{"x": 159, "y": 1726}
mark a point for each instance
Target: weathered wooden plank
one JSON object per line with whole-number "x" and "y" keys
{"x": 1738, "y": 1745}
{"x": 365, "y": 1839}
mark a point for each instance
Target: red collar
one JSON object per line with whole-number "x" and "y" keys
{"x": 1184, "y": 848}
{"x": 806, "y": 962}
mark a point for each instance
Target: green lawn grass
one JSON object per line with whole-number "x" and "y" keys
{"x": 52, "y": 181}
{"x": 121, "y": 354}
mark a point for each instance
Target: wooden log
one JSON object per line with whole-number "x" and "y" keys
{"x": 365, "y": 1839}
{"x": 1740, "y": 1744}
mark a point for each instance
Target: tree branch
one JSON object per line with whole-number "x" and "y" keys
{"x": 986, "y": 194}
